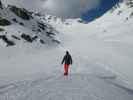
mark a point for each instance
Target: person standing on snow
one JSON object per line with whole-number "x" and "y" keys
{"x": 67, "y": 60}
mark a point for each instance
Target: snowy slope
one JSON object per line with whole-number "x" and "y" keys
{"x": 108, "y": 39}
{"x": 25, "y": 28}
{"x": 102, "y": 62}
{"x": 57, "y": 87}
{"x": 21, "y": 44}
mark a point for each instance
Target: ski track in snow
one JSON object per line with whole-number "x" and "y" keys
{"x": 58, "y": 87}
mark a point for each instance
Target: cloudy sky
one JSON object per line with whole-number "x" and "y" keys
{"x": 86, "y": 9}
{"x": 61, "y": 8}
{"x": 69, "y": 8}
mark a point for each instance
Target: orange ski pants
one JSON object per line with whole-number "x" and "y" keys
{"x": 66, "y": 68}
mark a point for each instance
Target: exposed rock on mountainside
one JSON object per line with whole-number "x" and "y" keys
{"x": 0, "y": 4}
{"x": 18, "y": 24}
{"x": 4, "y": 22}
{"x": 21, "y": 12}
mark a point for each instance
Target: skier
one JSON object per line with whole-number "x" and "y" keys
{"x": 67, "y": 60}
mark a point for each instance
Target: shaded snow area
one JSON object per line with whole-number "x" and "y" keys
{"x": 102, "y": 60}
{"x": 58, "y": 87}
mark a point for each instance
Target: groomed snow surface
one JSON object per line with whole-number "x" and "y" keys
{"x": 39, "y": 76}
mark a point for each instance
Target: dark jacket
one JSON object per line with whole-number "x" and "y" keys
{"x": 67, "y": 59}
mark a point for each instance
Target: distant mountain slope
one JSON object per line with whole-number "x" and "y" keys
{"x": 17, "y": 25}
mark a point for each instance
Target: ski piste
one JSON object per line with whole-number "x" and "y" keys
{"x": 101, "y": 51}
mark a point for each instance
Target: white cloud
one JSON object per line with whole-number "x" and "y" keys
{"x": 61, "y": 8}
{"x": 69, "y": 8}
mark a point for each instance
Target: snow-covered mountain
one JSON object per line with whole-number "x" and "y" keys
{"x": 108, "y": 38}
{"x": 102, "y": 59}
{"x": 17, "y": 25}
